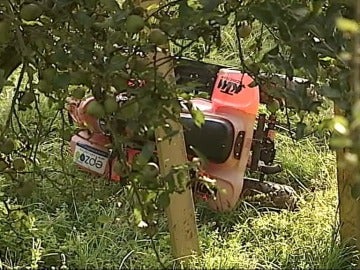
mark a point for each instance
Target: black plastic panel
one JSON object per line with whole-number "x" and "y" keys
{"x": 200, "y": 73}
{"x": 214, "y": 139}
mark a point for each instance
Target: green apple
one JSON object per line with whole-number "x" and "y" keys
{"x": 158, "y": 37}
{"x": 30, "y": 12}
{"x": 244, "y": 30}
{"x": 111, "y": 105}
{"x": 134, "y": 24}
{"x": 78, "y": 93}
{"x": 7, "y": 146}
{"x": 19, "y": 164}
{"x": 96, "y": 109}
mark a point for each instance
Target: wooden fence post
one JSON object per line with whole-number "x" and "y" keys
{"x": 172, "y": 152}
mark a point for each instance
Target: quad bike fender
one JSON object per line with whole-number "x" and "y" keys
{"x": 229, "y": 174}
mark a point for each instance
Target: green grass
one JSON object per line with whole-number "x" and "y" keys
{"x": 276, "y": 240}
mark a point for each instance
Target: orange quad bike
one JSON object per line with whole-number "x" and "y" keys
{"x": 227, "y": 139}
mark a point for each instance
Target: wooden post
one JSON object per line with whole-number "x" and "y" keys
{"x": 172, "y": 152}
{"x": 181, "y": 211}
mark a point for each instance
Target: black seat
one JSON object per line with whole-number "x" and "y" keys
{"x": 214, "y": 139}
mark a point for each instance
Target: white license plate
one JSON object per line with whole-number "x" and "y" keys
{"x": 91, "y": 158}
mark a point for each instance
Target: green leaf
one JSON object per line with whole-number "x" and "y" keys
{"x": 198, "y": 117}
{"x": 181, "y": 178}
{"x": 184, "y": 10}
{"x": 146, "y": 153}
{"x": 330, "y": 92}
{"x": 62, "y": 81}
{"x": 2, "y": 79}
{"x": 263, "y": 13}
{"x": 117, "y": 62}
{"x": 347, "y": 25}
{"x": 91, "y": 4}
{"x": 195, "y": 4}
{"x": 129, "y": 110}
{"x": 80, "y": 77}
{"x": 355, "y": 191}
{"x": 274, "y": 51}
{"x": 340, "y": 124}
{"x": 84, "y": 19}
{"x": 137, "y": 215}
{"x": 110, "y": 5}
{"x": 284, "y": 31}
{"x": 164, "y": 200}
{"x": 169, "y": 179}
{"x": 338, "y": 142}
{"x": 209, "y": 5}
{"x": 356, "y": 110}
{"x": 221, "y": 20}
{"x": 153, "y": 6}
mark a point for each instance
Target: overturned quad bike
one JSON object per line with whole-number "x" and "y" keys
{"x": 227, "y": 139}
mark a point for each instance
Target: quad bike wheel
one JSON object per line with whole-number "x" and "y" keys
{"x": 269, "y": 194}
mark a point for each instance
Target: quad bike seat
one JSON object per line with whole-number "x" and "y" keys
{"x": 214, "y": 139}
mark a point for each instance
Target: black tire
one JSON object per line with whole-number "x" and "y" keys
{"x": 269, "y": 194}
